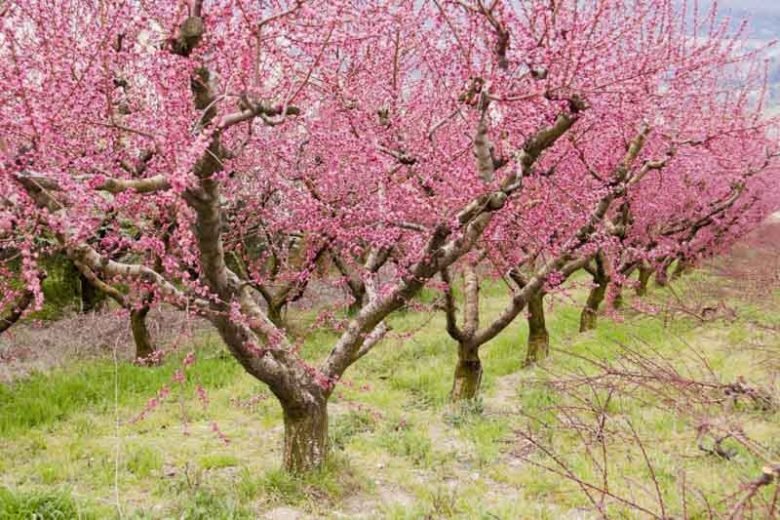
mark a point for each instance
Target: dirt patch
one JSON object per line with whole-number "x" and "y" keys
{"x": 39, "y": 346}
{"x": 285, "y": 513}
{"x": 504, "y": 399}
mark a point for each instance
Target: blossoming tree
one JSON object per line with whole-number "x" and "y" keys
{"x": 666, "y": 123}
{"x": 173, "y": 132}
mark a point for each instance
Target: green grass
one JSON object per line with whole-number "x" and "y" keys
{"x": 41, "y": 505}
{"x": 400, "y": 450}
{"x": 45, "y": 399}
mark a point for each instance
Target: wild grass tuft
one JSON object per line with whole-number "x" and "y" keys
{"x": 40, "y": 505}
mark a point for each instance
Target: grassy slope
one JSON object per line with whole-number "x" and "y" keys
{"x": 70, "y": 447}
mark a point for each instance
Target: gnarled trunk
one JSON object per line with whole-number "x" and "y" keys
{"x": 144, "y": 347}
{"x": 644, "y": 277}
{"x": 538, "y": 337}
{"x": 468, "y": 373}
{"x": 589, "y": 316}
{"x": 305, "y": 436}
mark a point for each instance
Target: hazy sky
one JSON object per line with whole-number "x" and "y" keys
{"x": 763, "y": 15}
{"x": 772, "y": 6}
{"x": 753, "y": 6}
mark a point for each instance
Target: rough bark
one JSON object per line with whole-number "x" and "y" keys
{"x": 144, "y": 347}
{"x": 601, "y": 278}
{"x": 305, "y": 436}
{"x": 468, "y": 373}
{"x": 538, "y": 337}
{"x": 471, "y": 299}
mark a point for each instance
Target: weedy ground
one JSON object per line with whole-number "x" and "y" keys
{"x": 566, "y": 439}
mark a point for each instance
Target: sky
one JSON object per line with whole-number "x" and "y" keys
{"x": 763, "y": 26}
{"x": 756, "y": 6}
{"x": 763, "y": 15}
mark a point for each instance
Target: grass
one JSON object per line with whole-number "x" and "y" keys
{"x": 399, "y": 449}
{"x": 45, "y": 399}
{"x": 56, "y": 505}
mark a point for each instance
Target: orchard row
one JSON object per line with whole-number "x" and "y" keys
{"x": 212, "y": 155}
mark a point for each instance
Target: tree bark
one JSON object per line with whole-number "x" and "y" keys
{"x": 305, "y": 436}
{"x": 682, "y": 267}
{"x": 662, "y": 274}
{"x": 589, "y": 316}
{"x": 644, "y": 277}
{"x": 17, "y": 309}
{"x": 355, "y": 285}
{"x": 468, "y": 374}
{"x": 538, "y": 337}
{"x": 359, "y": 297}
{"x": 276, "y": 315}
{"x": 91, "y": 297}
{"x": 144, "y": 347}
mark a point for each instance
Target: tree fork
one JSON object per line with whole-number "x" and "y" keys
{"x": 276, "y": 315}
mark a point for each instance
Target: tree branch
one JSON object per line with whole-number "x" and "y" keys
{"x": 450, "y": 308}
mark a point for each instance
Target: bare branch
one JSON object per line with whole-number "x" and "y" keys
{"x": 482, "y": 146}
{"x": 153, "y": 184}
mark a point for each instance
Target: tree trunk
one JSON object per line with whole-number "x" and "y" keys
{"x": 357, "y": 303}
{"x": 468, "y": 374}
{"x": 17, "y": 309}
{"x": 662, "y": 274}
{"x": 538, "y": 338}
{"x": 276, "y": 315}
{"x": 91, "y": 296}
{"x": 682, "y": 267}
{"x": 617, "y": 301}
{"x": 144, "y": 347}
{"x": 644, "y": 277}
{"x": 589, "y": 316}
{"x": 305, "y": 436}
